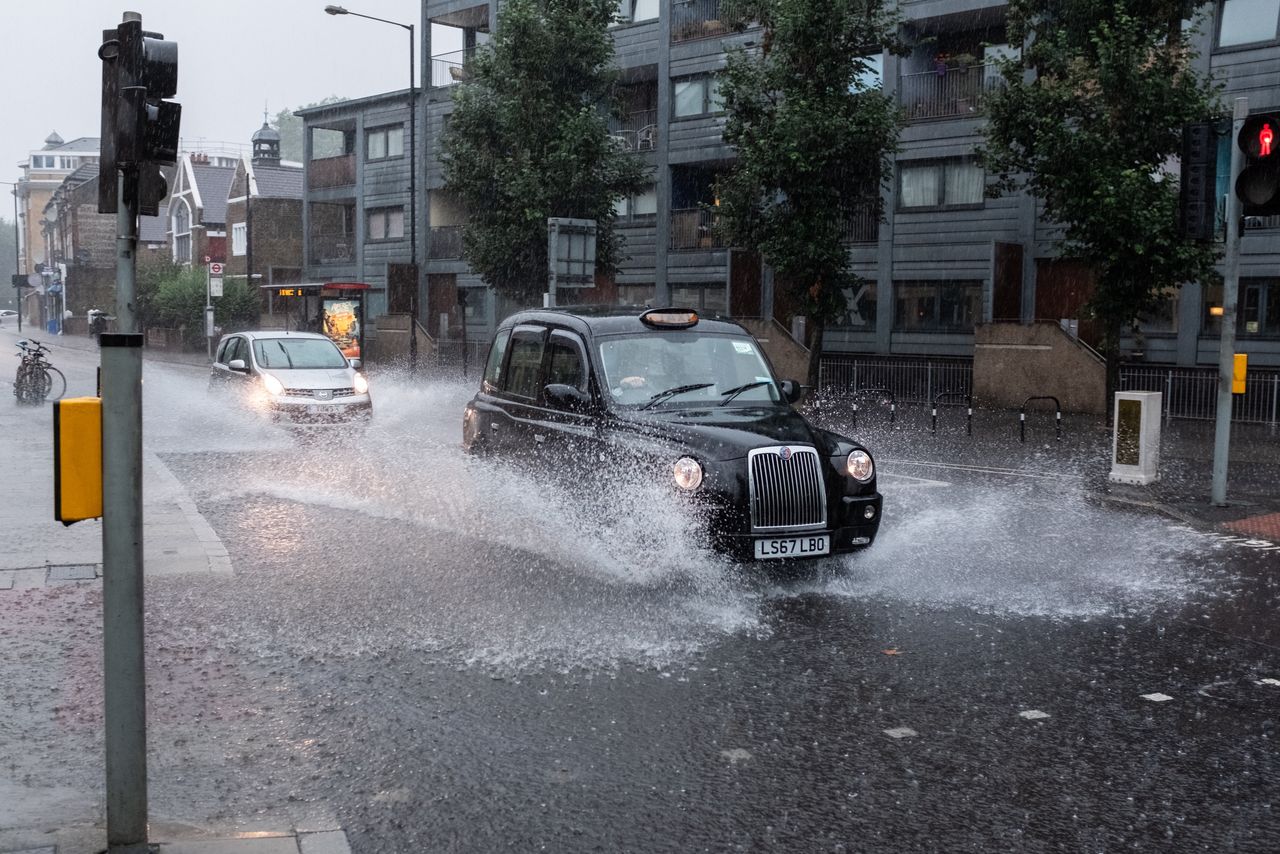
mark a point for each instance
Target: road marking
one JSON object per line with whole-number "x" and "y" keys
{"x": 1157, "y": 697}
{"x": 1269, "y": 681}
{"x": 736, "y": 755}
{"x": 914, "y": 481}
{"x": 986, "y": 470}
{"x": 1033, "y": 715}
{"x": 901, "y": 732}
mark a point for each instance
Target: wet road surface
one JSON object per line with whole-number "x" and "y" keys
{"x": 444, "y": 653}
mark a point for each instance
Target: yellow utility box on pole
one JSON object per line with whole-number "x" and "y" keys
{"x": 77, "y": 459}
{"x": 1238, "y": 370}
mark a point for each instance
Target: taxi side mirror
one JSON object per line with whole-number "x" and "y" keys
{"x": 238, "y": 366}
{"x": 567, "y": 397}
{"x": 791, "y": 390}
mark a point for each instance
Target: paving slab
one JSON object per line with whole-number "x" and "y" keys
{"x": 248, "y": 844}
{"x": 327, "y": 842}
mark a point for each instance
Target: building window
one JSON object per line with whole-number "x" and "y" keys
{"x": 940, "y": 184}
{"x": 239, "y": 237}
{"x": 860, "y": 307}
{"x": 385, "y": 142}
{"x": 707, "y": 299}
{"x": 386, "y": 224}
{"x": 180, "y": 225}
{"x": 940, "y": 306}
{"x": 872, "y": 74}
{"x": 1257, "y": 311}
{"x": 635, "y": 11}
{"x": 643, "y": 205}
{"x": 1248, "y": 22}
{"x": 697, "y": 96}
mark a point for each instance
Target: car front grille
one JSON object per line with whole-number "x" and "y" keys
{"x": 319, "y": 393}
{"x": 786, "y": 488}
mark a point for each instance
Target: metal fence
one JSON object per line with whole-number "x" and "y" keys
{"x": 910, "y": 380}
{"x": 1193, "y": 392}
{"x": 947, "y": 92}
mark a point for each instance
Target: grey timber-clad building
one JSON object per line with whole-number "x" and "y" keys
{"x": 940, "y": 260}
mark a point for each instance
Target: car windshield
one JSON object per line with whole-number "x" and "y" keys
{"x": 297, "y": 353}
{"x": 638, "y": 369}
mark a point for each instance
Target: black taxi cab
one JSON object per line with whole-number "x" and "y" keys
{"x": 694, "y": 402}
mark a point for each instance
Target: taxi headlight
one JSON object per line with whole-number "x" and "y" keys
{"x": 272, "y": 385}
{"x": 361, "y": 384}
{"x": 687, "y": 473}
{"x": 860, "y": 467}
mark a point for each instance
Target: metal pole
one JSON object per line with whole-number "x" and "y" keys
{"x": 413, "y": 210}
{"x": 208, "y": 309}
{"x": 16, "y": 256}
{"x": 1227, "y": 341}
{"x": 122, "y": 593}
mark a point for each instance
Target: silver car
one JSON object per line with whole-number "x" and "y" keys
{"x": 298, "y": 378}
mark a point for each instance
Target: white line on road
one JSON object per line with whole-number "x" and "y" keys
{"x": 986, "y": 470}
{"x": 1157, "y": 697}
{"x": 901, "y": 732}
{"x": 1033, "y": 715}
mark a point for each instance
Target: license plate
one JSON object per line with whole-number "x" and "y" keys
{"x": 781, "y": 547}
{"x": 312, "y": 409}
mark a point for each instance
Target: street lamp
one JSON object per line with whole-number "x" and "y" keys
{"x": 16, "y": 256}
{"x": 413, "y": 179}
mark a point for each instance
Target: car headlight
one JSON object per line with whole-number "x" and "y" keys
{"x": 272, "y": 385}
{"x": 860, "y": 467}
{"x": 361, "y": 384}
{"x": 687, "y": 473}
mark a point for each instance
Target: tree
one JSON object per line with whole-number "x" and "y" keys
{"x": 1089, "y": 132}
{"x": 8, "y": 294}
{"x": 175, "y": 298}
{"x": 813, "y": 139}
{"x": 529, "y": 139}
{"x": 290, "y": 128}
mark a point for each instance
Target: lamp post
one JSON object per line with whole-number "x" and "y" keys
{"x": 16, "y": 256}
{"x": 413, "y": 179}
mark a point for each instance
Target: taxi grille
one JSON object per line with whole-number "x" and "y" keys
{"x": 786, "y": 493}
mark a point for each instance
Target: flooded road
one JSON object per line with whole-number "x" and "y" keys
{"x": 446, "y": 653}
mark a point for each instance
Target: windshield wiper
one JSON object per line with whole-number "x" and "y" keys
{"x": 672, "y": 392}
{"x": 739, "y": 389}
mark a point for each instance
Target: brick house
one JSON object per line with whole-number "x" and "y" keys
{"x": 264, "y": 221}
{"x": 196, "y": 214}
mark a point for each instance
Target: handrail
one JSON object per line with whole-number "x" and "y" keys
{"x": 1022, "y": 415}
{"x": 893, "y": 403}
{"x": 967, "y": 397}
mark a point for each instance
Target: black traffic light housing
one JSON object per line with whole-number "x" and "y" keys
{"x": 1258, "y": 186}
{"x": 1197, "y": 200}
{"x": 140, "y": 129}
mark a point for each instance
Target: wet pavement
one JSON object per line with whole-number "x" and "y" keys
{"x": 441, "y": 653}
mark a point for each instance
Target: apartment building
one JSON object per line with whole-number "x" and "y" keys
{"x": 940, "y": 259}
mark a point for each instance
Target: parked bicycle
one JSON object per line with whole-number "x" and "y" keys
{"x": 37, "y": 380}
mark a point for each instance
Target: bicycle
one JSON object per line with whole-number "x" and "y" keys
{"x": 37, "y": 379}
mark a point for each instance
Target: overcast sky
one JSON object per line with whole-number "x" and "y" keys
{"x": 234, "y": 57}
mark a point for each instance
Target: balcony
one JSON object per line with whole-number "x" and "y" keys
{"x": 450, "y": 68}
{"x": 862, "y": 223}
{"x": 328, "y": 172}
{"x": 694, "y": 228}
{"x": 445, "y": 243}
{"x": 947, "y": 92}
{"x": 636, "y": 131}
{"x": 696, "y": 19}
{"x": 333, "y": 247}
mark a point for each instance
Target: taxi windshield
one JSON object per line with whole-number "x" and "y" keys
{"x": 686, "y": 368}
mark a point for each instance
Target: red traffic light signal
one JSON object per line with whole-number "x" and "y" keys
{"x": 1260, "y": 137}
{"x": 1258, "y": 186}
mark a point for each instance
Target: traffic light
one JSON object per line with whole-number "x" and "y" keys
{"x": 1197, "y": 202}
{"x": 140, "y": 128}
{"x": 1258, "y": 186}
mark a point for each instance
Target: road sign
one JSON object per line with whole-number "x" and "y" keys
{"x": 215, "y": 269}
{"x": 215, "y": 286}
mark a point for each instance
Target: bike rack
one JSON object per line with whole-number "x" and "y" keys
{"x": 893, "y": 402}
{"x": 1022, "y": 416}
{"x": 941, "y": 397}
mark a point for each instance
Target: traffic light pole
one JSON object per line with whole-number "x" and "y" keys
{"x": 1227, "y": 339}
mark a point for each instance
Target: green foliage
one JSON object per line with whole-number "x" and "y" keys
{"x": 529, "y": 139}
{"x": 174, "y": 297}
{"x": 8, "y": 294}
{"x": 813, "y": 143}
{"x": 290, "y": 128}
{"x": 1090, "y": 133}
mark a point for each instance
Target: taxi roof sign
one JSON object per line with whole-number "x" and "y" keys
{"x": 670, "y": 318}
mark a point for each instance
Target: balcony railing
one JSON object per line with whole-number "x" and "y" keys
{"x": 636, "y": 131}
{"x": 947, "y": 92}
{"x": 696, "y": 19}
{"x": 694, "y": 228}
{"x": 445, "y": 243}
{"x": 862, "y": 223}
{"x": 332, "y": 247}
{"x": 450, "y": 68}
{"x": 327, "y": 172}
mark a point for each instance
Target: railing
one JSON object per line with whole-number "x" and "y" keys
{"x": 696, "y": 19}
{"x": 862, "y": 223}
{"x": 1193, "y": 393}
{"x": 450, "y": 68}
{"x": 910, "y": 380}
{"x": 636, "y": 131}
{"x": 328, "y": 172}
{"x": 332, "y": 247}
{"x": 694, "y": 228}
{"x": 1057, "y": 416}
{"x": 948, "y": 92}
{"x": 445, "y": 242}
